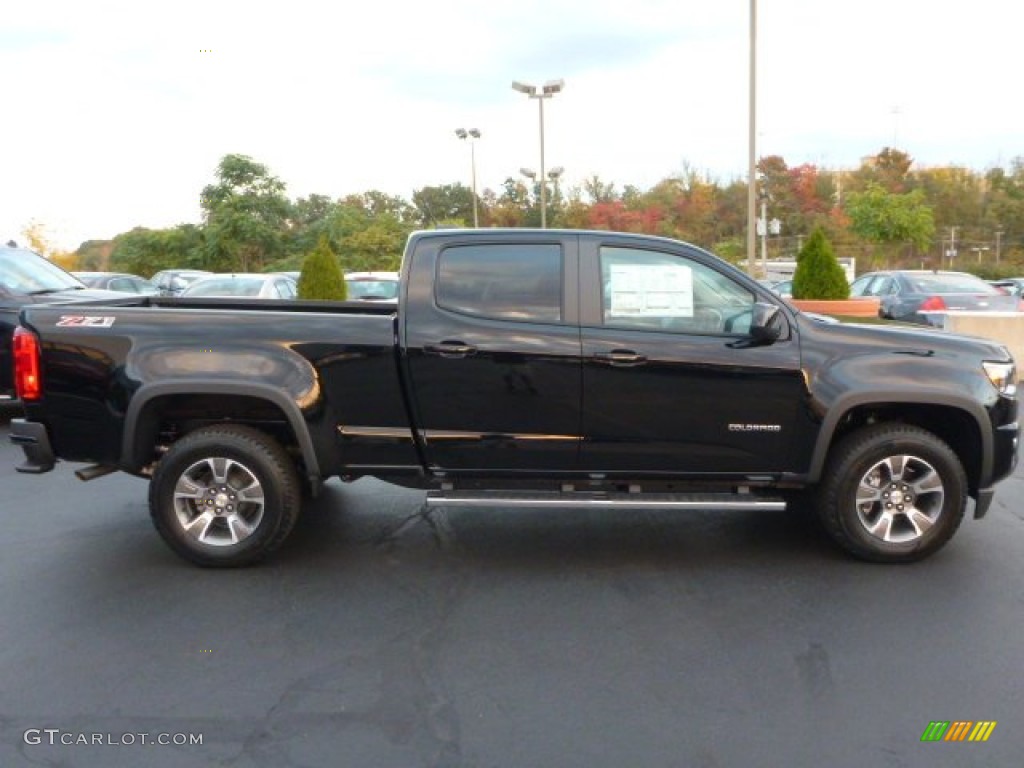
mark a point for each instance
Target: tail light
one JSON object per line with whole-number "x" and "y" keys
{"x": 28, "y": 384}
{"x": 932, "y": 303}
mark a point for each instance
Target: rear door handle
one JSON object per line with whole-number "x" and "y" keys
{"x": 450, "y": 349}
{"x": 621, "y": 358}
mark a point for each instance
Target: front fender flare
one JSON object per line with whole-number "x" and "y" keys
{"x": 842, "y": 406}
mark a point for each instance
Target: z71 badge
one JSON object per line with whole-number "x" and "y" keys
{"x": 86, "y": 321}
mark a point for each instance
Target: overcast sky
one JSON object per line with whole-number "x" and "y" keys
{"x": 117, "y": 113}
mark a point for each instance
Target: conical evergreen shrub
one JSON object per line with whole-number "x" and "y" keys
{"x": 818, "y": 273}
{"x": 321, "y": 276}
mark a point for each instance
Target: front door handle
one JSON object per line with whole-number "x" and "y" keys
{"x": 621, "y": 358}
{"x": 450, "y": 349}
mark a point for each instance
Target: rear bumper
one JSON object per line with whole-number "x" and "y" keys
{"x": 34, "y": 442}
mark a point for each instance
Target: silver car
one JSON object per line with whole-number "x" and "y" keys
{"x": 922, "y": 296}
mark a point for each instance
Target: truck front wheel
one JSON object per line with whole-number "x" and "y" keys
{"x": 892, "y": 493}
{"x": 224, "y": 496}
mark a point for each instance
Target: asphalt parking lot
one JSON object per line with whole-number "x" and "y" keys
{"x": 497, "y": 638}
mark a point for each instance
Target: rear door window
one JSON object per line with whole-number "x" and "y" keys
{"x": 502, "y": 282}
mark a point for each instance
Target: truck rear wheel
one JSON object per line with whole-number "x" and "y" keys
{"x": 225, "y": 496}
{"x": 892, "y": 493}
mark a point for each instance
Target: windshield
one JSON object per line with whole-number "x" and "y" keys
{"x": 372, "y": 289}
{"x": 25, "y": 272}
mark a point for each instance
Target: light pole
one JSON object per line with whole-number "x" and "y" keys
{"x": 546, "y": 91}
{"x": 762, "y": 230}
{"x": 999, "y": 237}
{"x": 979, "y": 249}
{"x": 752, "y": 141}
{"x": 472, "y": 135}
{"x": 765, "y": 228}
{"x": 554, "y": 175}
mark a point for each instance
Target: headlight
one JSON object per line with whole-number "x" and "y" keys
{"x": 1002, "y": 375}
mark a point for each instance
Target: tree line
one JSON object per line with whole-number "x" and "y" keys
{"x": 885, "y": 212}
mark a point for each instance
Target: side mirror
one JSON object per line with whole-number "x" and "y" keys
{"x": 766, "y": 323}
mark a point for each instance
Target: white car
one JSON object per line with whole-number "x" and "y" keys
{"x": 372, "y": 286}
{"x": 243, "y": 285}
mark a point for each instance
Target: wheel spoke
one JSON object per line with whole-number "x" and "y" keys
{"x": 929, "y": 482}
{"x": 919, "y": 520}
{"x": 239, "y": 528}
{"x": 220, "y": 467}
{"x": 882, "y": 528}
{"x": 252, "y": 492}
{"x": 199, "y": 527}
{"x": 187, "y": 488}
{"x": 866, "y": 492}
{"x": 897, "y": 465}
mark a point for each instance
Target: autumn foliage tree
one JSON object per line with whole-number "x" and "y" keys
{"x": 887, "y": 209}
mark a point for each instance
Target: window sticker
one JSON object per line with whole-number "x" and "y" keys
{"x": 650, "y": 290}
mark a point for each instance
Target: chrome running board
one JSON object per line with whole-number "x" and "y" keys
{"x": 602, "y": 500}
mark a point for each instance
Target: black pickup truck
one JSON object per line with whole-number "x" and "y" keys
{"x": 538, "y": 368}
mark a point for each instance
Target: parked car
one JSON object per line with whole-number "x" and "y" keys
{"x": 251, "y": 285}
{"x": 172, "y": 282}
{"x": 1012, "y": 285}
{"x": 26, "y": 278}
{"x": 372, "y": 286}
{"x": 922, "y": 296}
{"x": 118, "y": 281}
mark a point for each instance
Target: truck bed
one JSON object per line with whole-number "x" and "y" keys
{"x": 158, "y": 365}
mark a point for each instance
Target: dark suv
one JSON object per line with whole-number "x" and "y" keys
{"x": 27, "y": 278}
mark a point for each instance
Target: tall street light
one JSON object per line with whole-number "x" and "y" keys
{"x": 546, "y": 91}
{"x": 554, "y": 175}
{"x": 472, "y": 135}
{"x": 751, "y": 140}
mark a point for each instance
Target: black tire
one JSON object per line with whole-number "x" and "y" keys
{"x": 892, "y": 493}
{"x": 225, "y": 496}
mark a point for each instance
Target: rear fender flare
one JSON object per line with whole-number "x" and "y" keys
{"x": 132, "y": 453}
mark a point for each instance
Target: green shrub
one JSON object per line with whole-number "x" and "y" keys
{"x": 321, "y": 276}
{"x": 818, "y": 273}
